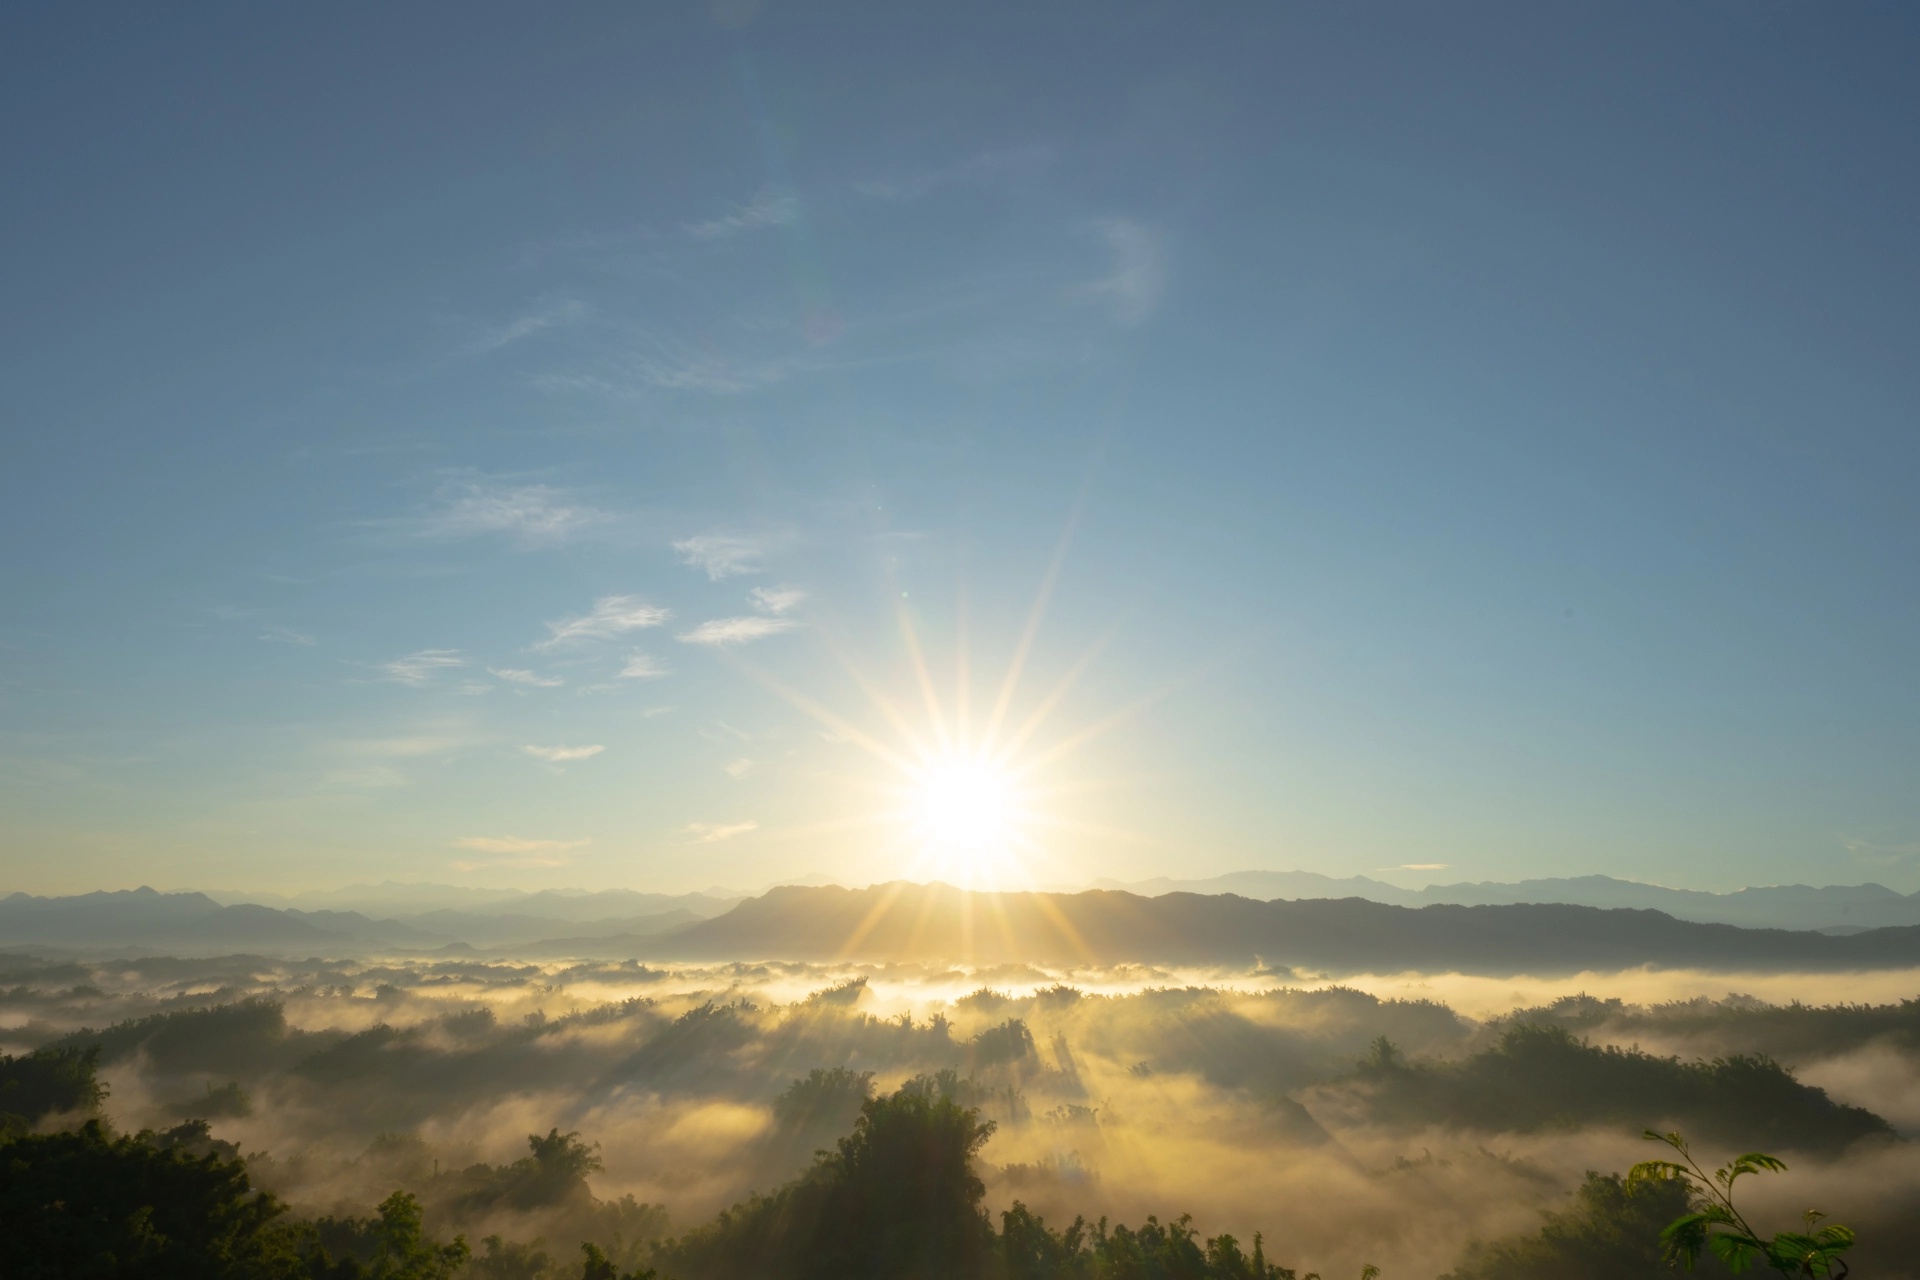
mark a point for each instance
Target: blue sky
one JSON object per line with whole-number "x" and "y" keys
{"x": 527, "y": 447}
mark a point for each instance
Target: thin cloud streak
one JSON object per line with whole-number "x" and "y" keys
{"x": 611, "y": 616}
{"x": 642, "y": 666}
{"x": 528, "y": 678}
{"x": 557, "y": 755}
{"x": 1133, "y": 287}
{"x": 514, "y": 844}
{"x": 769, "y": 208}
{"x": 421, "y": 667}
{"x": 287, "y": 635}
{"x": 776, "y": 600}
{"x": 533, "y": 515}
{"x": 724, "y": 631}
{"x": 713, "y": 833}
{"x": 980, "y": 170}
{"x": 721, "y": 556}
{"x": 552, "y": 315}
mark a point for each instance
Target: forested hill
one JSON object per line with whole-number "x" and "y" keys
{"x": 902, "y": 921}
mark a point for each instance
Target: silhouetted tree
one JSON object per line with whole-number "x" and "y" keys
{"x": 83, "y": 1204}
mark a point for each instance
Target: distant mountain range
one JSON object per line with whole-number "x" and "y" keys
{"x": 197, "y": 924}
{"x": 1838, "y": 908}
{"x": 907, "y": 922}
{"x": 397, "y": 901}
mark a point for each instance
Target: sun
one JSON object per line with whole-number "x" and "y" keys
{"x": 967, "y": 790}
{"x": 966, "y": 813}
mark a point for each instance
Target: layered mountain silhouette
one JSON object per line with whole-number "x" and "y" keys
{"x": 197, "y": 924}
{"x": 1795, "y": 906}
{"x": 899, "y": 922}
{"x": 940, "y": 924}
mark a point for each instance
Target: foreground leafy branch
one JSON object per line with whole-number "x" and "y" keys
{"x": 1720, "y": 1228}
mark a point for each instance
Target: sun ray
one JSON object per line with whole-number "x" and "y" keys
{"x": 845, "y": 728}
{"x": 1051, "y": 909}
{"x": 927, "y": 696}
{"x": 1047, "y": 705}
{"x": 880, "y": 908}
{"x": 1031, "y": 631}
{"x": 881, "y": 702}
{"x": 1075, "y": 741}
{"x": 962, "y": 682}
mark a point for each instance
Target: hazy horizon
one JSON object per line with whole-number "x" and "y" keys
{"x": 1385, "y": 876}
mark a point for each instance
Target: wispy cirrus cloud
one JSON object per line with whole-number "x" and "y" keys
{"x": 985, "y": 168}
{"x": 738, "y": 769}
{"x": 611, "y": 616}
{"x": 406, "y": 745}
{"x": 550, "y": 314}
{"x": 1423, "y": 866}
{"x": 770, "y": 207}
{"x": 714, "y": 832}
{"x": 530, "y": 679}
{"x": 287, "y": 635}
{"x": 420, "y": 667}
{"x": 642, "y": 666}
{"x": 716, "y": 375}
{"x": 776, "y": 599}
{"x": 721, "y": 556}
{"x": 519, "y": 852}
{"x": 1131, "y": 289}
{"x": 531, "y": 515}
{"x": 559, "y": 755}
{"x": 514, "y": 844}
{"x": 722, "y": 631}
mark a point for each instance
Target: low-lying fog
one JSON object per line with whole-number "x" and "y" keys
{"x": 1237, "y": 1097}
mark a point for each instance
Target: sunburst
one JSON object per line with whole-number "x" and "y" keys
{"x": 974, "y": 801}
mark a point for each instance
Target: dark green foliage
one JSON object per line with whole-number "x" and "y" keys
{"x": 377, "y": 1051}
{"x": 549, "y": 1183}
{"x": 1715, "y": 1225}
{"x": 1279, "y": 1040}
{"x": 684, "y": 1051}
{"x": 824, "y": 1099}
{"x": 600, "y": 1267}
{"x": 243, "y": 1038}
{"x": 49, "y": 1082}
{"x": 1030, "y": 1250}
{"x": 228, "y": 1100}
{"x": 394, "y": 1246}
{"x": 846, "y": 995}
{"x": 1610, "y": 1233}
{"x": 82, "y": 1204}
{"x": 947, "y": 1083}
{"x": 898, "y": 1199}
{"x": 194, "y": 1138}
{"x": 1543, "y": 1076}
{"x": 1795, "y": 1032}
{"x": 556, "y": 1172}
{"x": 1008, "y": 1042}
{"x": 507, "y": 1260}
